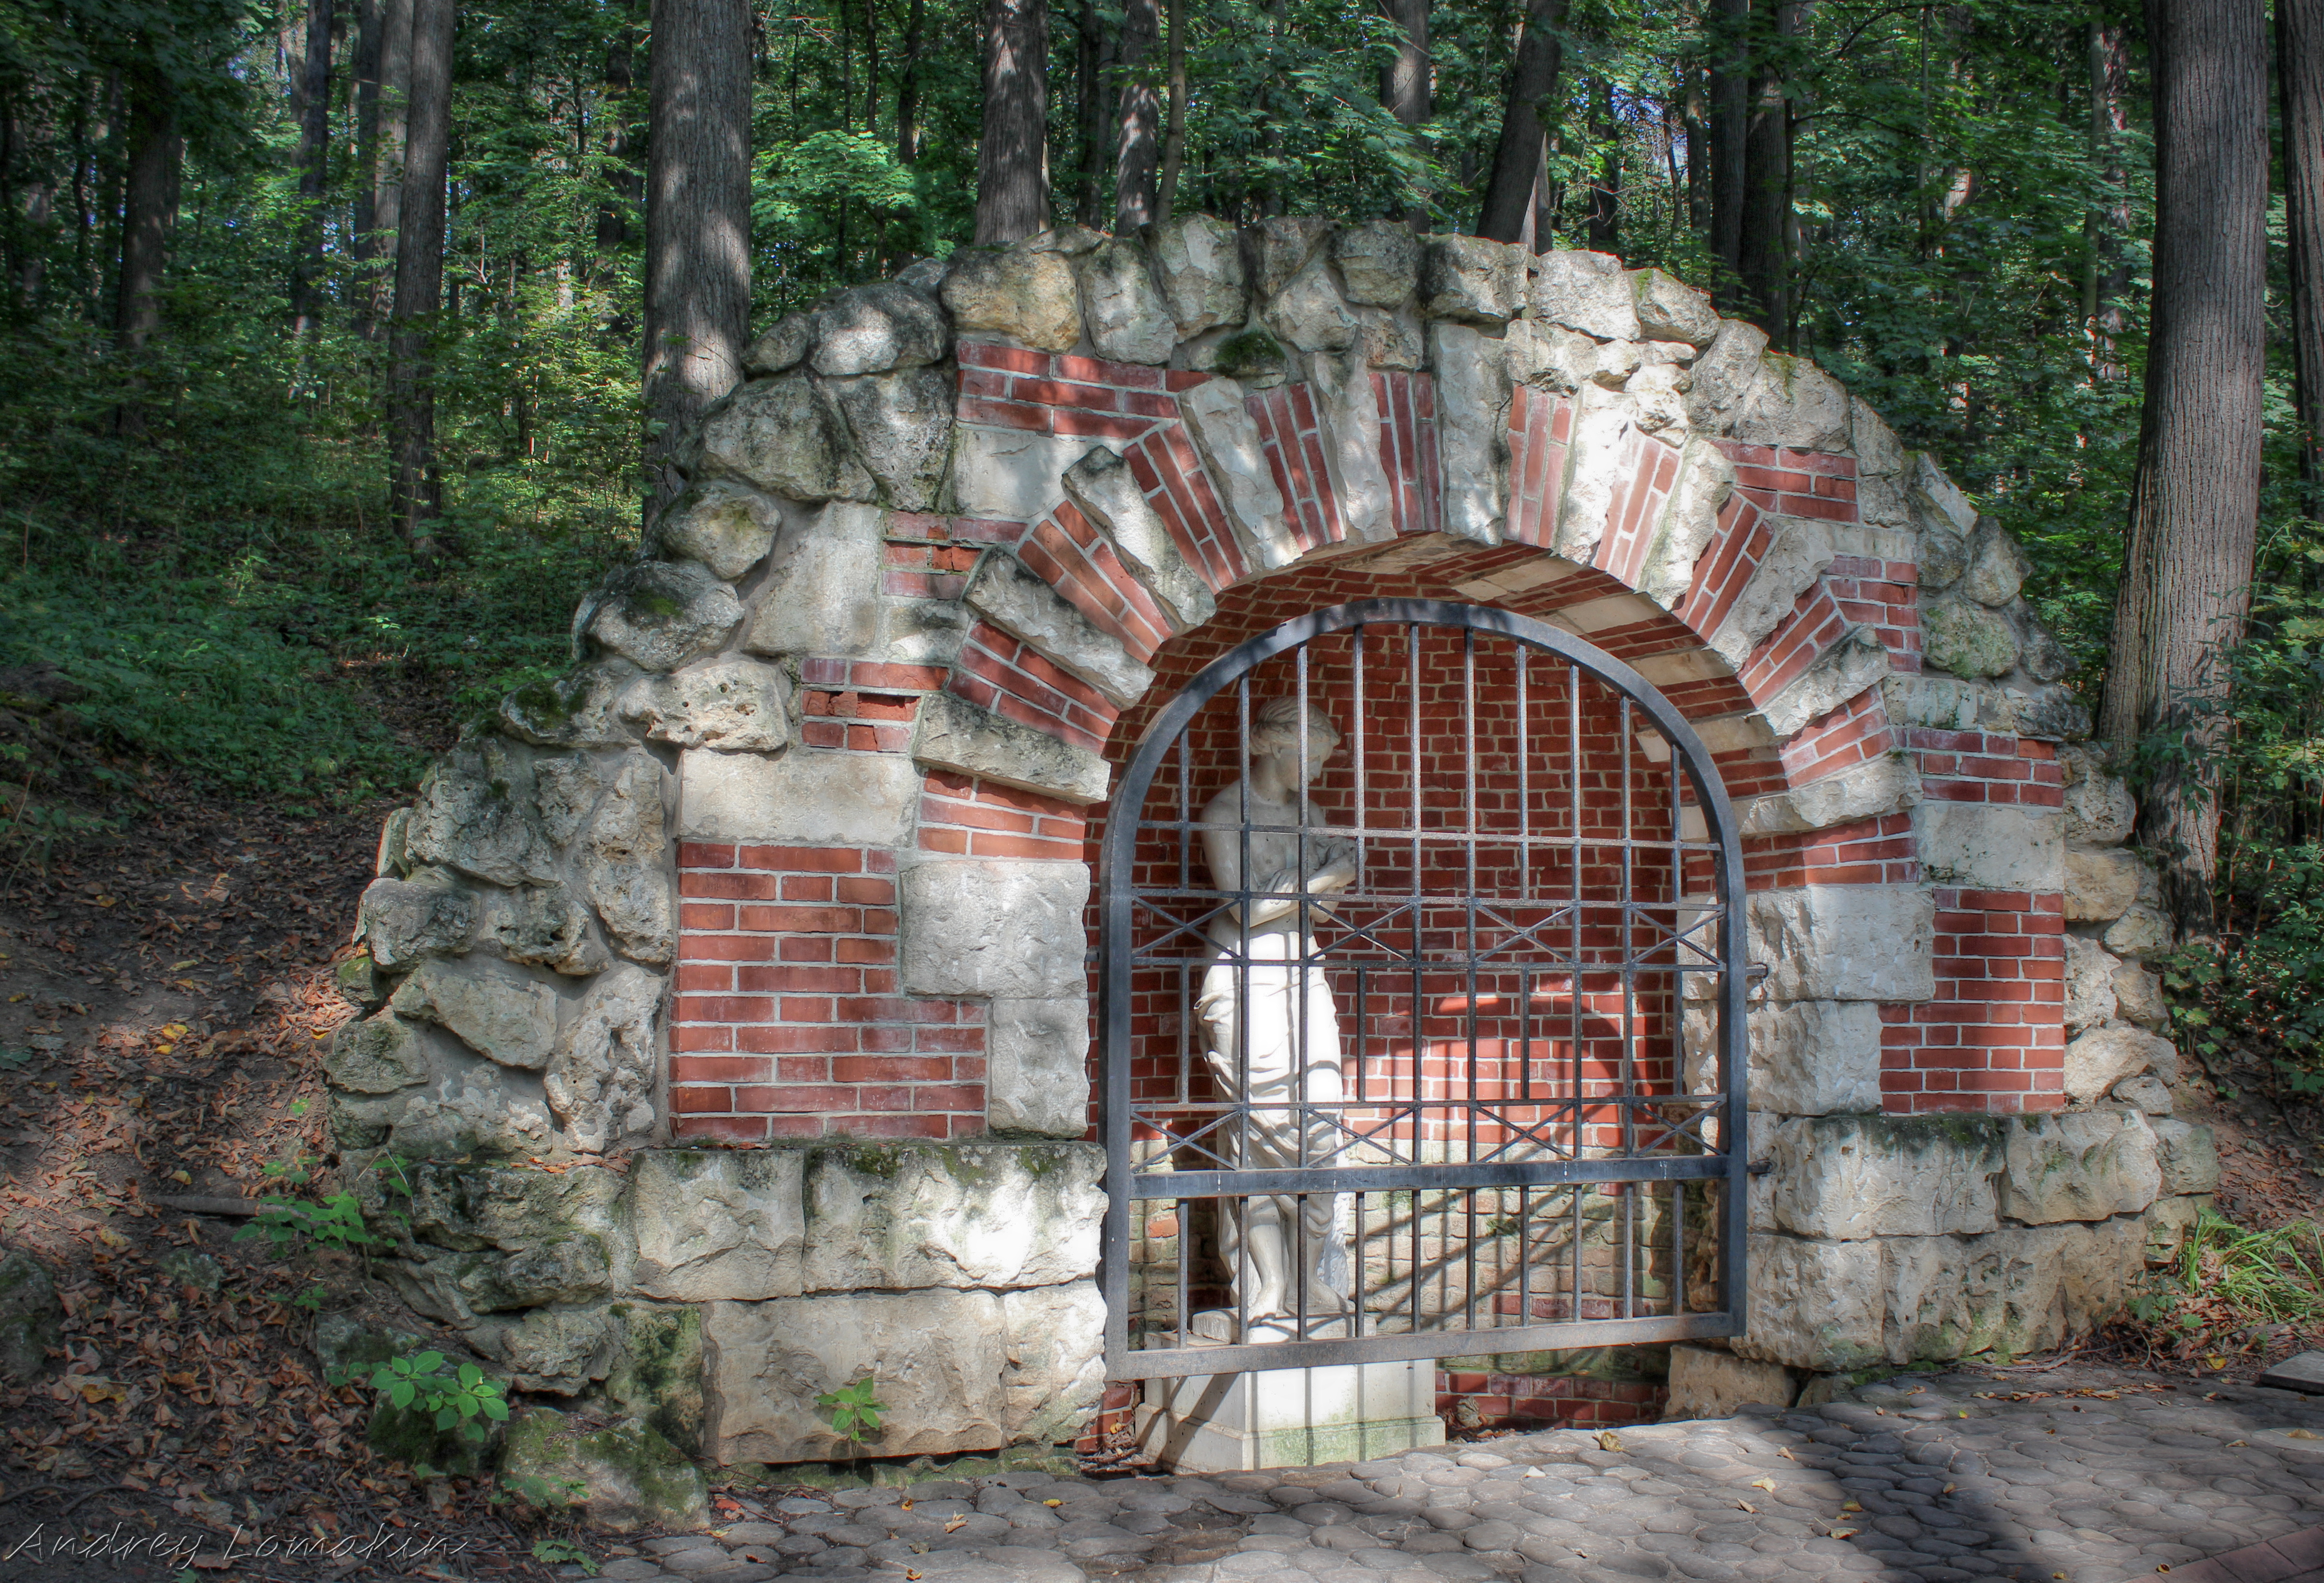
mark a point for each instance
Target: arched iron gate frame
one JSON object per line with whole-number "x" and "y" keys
{"x": 1727, "y": 1164}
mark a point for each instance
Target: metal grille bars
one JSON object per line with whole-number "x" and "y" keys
{"x": 1422, "y": 1005}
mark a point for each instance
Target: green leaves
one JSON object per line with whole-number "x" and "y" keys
{"x": 853, "y": 1408}
{"x": 464, "y": 1396}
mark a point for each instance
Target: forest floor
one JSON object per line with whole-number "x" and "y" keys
{"x": 166, "y": 996}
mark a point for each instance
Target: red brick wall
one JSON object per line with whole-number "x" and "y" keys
{"x": 788, "y": 1021}
{"x": 1525, "y": 1401}
{"x": 1994, "y": 1039}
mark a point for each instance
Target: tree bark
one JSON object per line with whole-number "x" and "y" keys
{"x": 2194, "y": 506}
{"x": 417, "y": 498}
{"x": 383, "y": 111}
{"x": 1762, "y": 259}
{"x": 697, "y": 221}
{"x": 1728, "y": 125}
{"x": 1405, "y": 81}
{"x": 149, "y": 214}
{"x": 871, "y": 67}
{"x": 1012, "y": 157}
{"x": 2300, "y": 68}
{"x": 1092, "y": 65}
{"x": 2106, "y": 276}
{"x": 314, "y": 167}
{"x": 907, "y": 86}
{"x": 1137, "y": 152}
{"x": 1173, "y": 140}
{"x": 1510, "y": 190}
{"x": 1605, "y": 217}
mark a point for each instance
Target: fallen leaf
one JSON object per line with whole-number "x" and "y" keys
{"x": 955, "y": 1523}
{"x": 905, "y": 1503}
{"x": 1767, "y": 1484}
{"x": 2303, "y": 1434}
{"x": 1053, "y": 1503}
{"x": 1852, "y": 1505}
{"x": 1949, "y": 1489}
{"x": 1843, "y": 1533}
{"x": 1747, "y": 1506}
{"x": 1608, "y": 1441}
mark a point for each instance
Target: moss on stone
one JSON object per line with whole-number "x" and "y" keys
{"x": 625, "y": 1476}
{"x": 1252, "y": 352}
{"x": 656, "y": 1376}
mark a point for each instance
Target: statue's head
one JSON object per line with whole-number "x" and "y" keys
{"x": 1275, "y": 735}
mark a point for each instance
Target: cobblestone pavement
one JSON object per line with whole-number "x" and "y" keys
{"x": 2092, "y": 1476}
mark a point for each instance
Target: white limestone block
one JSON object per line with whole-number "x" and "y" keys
{"x": 805, "y": 797}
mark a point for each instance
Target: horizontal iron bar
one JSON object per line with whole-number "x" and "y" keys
{"x": 1174, "y": 1362}
{"x": 1393, "y": 1178}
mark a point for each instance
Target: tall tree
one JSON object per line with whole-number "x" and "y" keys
{"x": 2300, "y": 74}
{"x": 1404, "y": 87}
{"x": 314, "y": 99}
{"x": 697, "y": 220}
{"x": 1013, "y": 158}
{"x": 1137, "y": 152}
{"x": 1604, "y": 221}
{"x": 2194, "y": 504}
{"x": 1728, "y": 39}
{"x": 908, "y": 85}
{"x": 2106, "y": 272}
{"x": 383, "y": 110}
{"x": 416, "y": 498}
{"x": 156, "y": 151}
{"x": 1763, "y": 244}
{"x": 1519, "y": 156}
{"x": 1173, "y": 140}
{"x": 1093, "y": 75}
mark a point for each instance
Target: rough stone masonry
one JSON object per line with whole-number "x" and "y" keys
{"x": 729, "y": 995}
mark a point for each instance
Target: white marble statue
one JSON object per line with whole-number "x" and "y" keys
{"x": 1270, "y": 1031}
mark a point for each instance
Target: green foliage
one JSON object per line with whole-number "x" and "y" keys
{"x": 460, "y": 1398}
{"x": 288, "y": 1223}
{"x": 853, "y": 1408}
{"x": 2229, "y": 1286}
{"x": 564, "y": 1551}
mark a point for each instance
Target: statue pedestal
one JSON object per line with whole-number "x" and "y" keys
{"x": 1290, "y": 1417}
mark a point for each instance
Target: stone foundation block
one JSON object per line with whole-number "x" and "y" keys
{"x": 2100, "y": 885}
{"x": 2078, "y": 1165}
{"x": 2187, "y": 1153}
{"x": 1037, "y": 1067}
{"x": 802, "y": 798}
{"x": 1816, "y": 1304}
{"x": 1706, "y": 1383}
{"x": 955, "y": 1371}
{"x": 953, "y": 733}
{"x": 1290, "y": 1417}
{"x": 1845, "y": 1177}
{"x": 2104, "y": 1056}
{"x": 1991, "y": 846}
{"x": 716, "y": 1224}
{"x": 1845, "y": 942}
{"x": 996, "y": 1214}
{"x": 987, "y": 927}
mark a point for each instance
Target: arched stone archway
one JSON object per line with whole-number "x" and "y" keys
{"x": 782, "y": 893}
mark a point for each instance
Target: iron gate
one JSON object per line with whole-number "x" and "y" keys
{"x": 1444, "y": 1056}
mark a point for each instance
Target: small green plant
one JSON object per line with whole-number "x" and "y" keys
{"x": 336, "y": 1221}
{"x": 853, "y": 1408}
{"x": 460, "y": 1396}
{"x": 555, "y": 1551}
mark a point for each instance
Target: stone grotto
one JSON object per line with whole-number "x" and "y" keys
{"x": 729, "y": 1027}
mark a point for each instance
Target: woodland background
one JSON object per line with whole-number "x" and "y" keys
{"x": 205, "y": 589}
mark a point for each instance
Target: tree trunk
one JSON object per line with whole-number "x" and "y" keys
{"x": 1763, "y": 263}
{"x": 1138, "y": 153}
{"x": 1093, "y": 64}
{"x": 1173, "y": 142}
{"x": 1605, "y": 217}
{"x": 907, "y": 86}
{"x": 1511, "y": 191}
{"x": 1404, "y": 81}
{"x": 363, "y": 70}
{"x": 417, "y": 498}
{"x": 381, "y": 129}
{"x": 2194, "y": 505}
{"x": 149, "y": 214}
{"x": 2106, "y": 274}
{"x": 1012, "y": 157}
{"x": 2300, "y": 67}
{"x": 1729, "y": 127}
{"x": 314, "y": 167}
{"x": 871, "y": 67}
{"x": 697, "y": 221}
